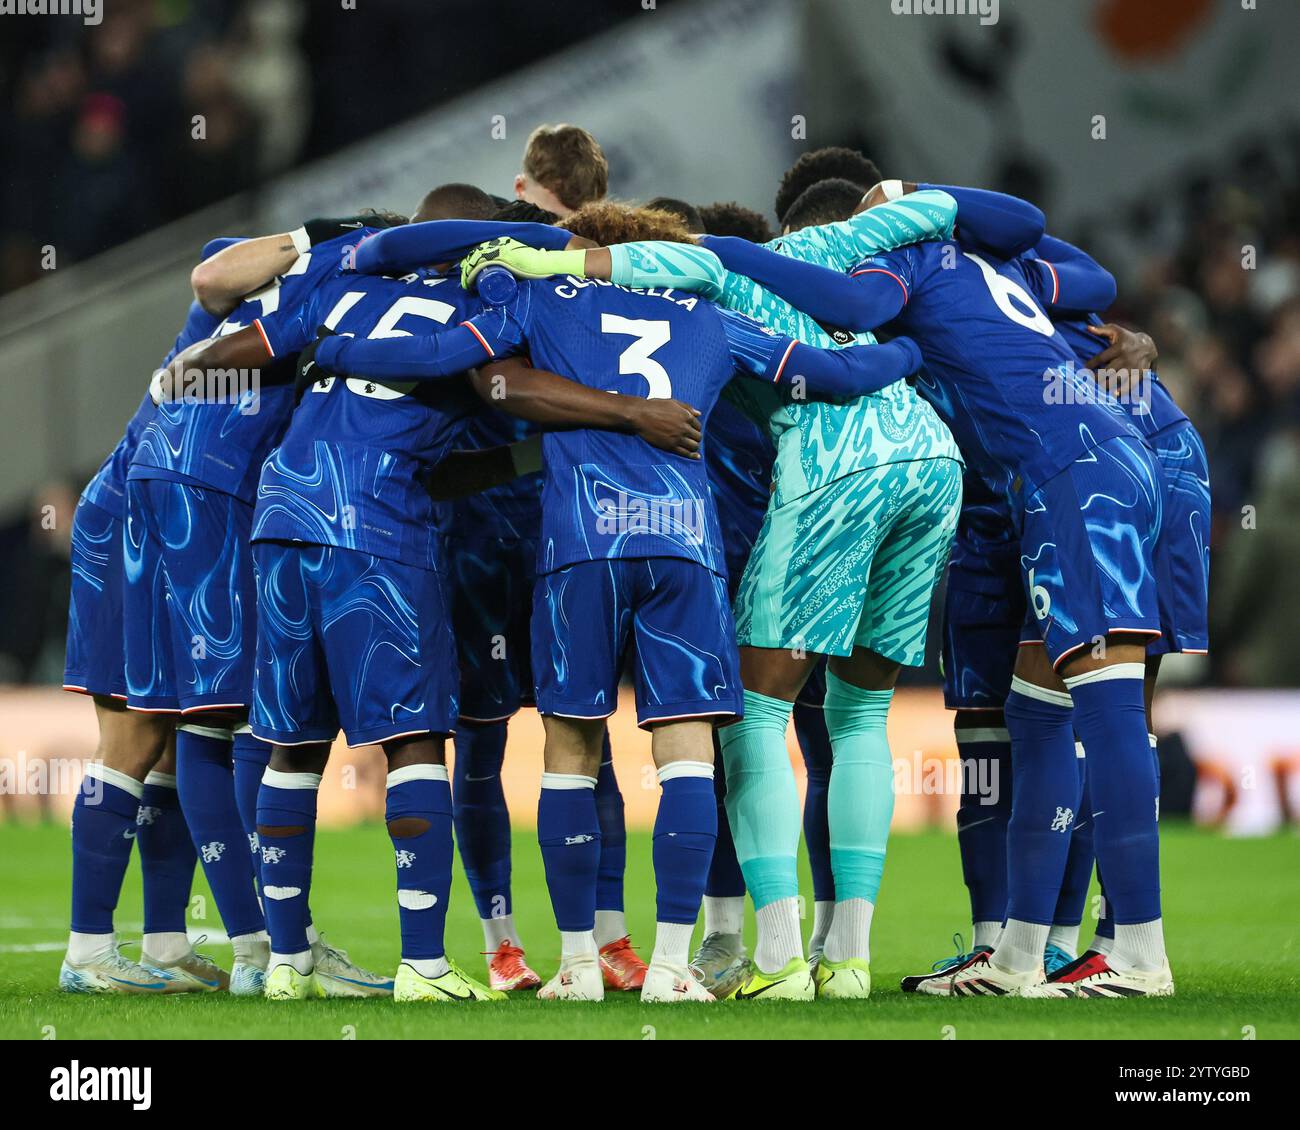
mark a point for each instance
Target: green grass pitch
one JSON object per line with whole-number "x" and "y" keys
{"x": 1230, "y": 912}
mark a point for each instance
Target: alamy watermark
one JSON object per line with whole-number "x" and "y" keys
{"x": 90, "y": 11}
{"x": 948, "y": 776}
{"x": 1069, "y": 384}
{"x": 986, "y": 10}
{"x": 239, "y": 387}
{"x": 78, "y": 1083}
{"x": 680, "y": 519}
{"x": 46, "y": 776}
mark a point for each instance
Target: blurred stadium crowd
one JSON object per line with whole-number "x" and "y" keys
{"x": 97, "y": 122}
{"x": 97, "y": 125}
{"x": 1215, "y": 280}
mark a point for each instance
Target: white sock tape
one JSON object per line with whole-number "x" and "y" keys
{"x": 675, "y": 769}
{"x": 116, "y": 778}
{"x": 417, "y": 773}
{"x": 217, "y": 733}
{"x": 567, "y": 781}
{"x": 279, "y": 780}
{"x": 1107, "y": 674}
{"x": 1042, "y": 694}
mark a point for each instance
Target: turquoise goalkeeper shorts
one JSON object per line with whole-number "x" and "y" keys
{"x": 853, "y": 563}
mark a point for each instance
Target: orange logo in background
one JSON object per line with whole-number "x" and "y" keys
{"x": 1150, "y": 29}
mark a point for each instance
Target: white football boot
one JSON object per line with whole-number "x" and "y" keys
{"x": 579, "y": 979}
{"x": 721, "y": 964}
{"x": 979, "y": 977}
{"x": 248, "y": 974}
{"x": 666, "y": 983}
{"x": 197, "y": 972}
{"x": 110, "y": 972}
{"x": 340, "y": 976}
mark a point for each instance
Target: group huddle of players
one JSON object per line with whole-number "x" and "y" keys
{"x": 428, "y": 510}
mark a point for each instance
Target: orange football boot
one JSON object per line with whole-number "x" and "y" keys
{"x": 624, "y": 971}
{"x": 507, "y": 969}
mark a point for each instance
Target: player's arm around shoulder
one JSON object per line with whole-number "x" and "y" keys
{"x": 1069, "y": 278}
{"x": 813, "y": 373}
{"x": 642, "y": 265}
{"x": 410, "y": 246}
{"x": 911, "y": 218}
{"x": 221, "y": 281}
{"x": 556, "y": 403}
{"x": 185, "y": 376}
{"x": 659, "y": 263}
{"x": 495, "y": 332}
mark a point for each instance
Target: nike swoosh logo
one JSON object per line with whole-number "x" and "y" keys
{"x": 489, "y": 777}
{"x": 363, "y": 984}
{"x": 469, "y": 995}
{"x": 138, "y": 984}
{"x": 202, "y": 980}
{"x": 741, "y": 995}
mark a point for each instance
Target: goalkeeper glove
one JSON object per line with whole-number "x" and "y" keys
{"x": 520, "y": 260}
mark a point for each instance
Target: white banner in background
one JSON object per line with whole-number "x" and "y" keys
{"x": 1169, "y": 82}
{"x": 689, "y": 102}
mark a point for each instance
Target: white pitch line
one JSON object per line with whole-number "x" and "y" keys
{"x": 210, "y": 937}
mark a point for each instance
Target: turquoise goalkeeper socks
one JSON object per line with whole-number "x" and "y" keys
{"x": 861, "y": 800}
{"x": 762, "y": 802}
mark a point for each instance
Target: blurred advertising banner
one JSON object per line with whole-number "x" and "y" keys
{"x": 1244, "y": 746}
{"x": 1247, "y": 752}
